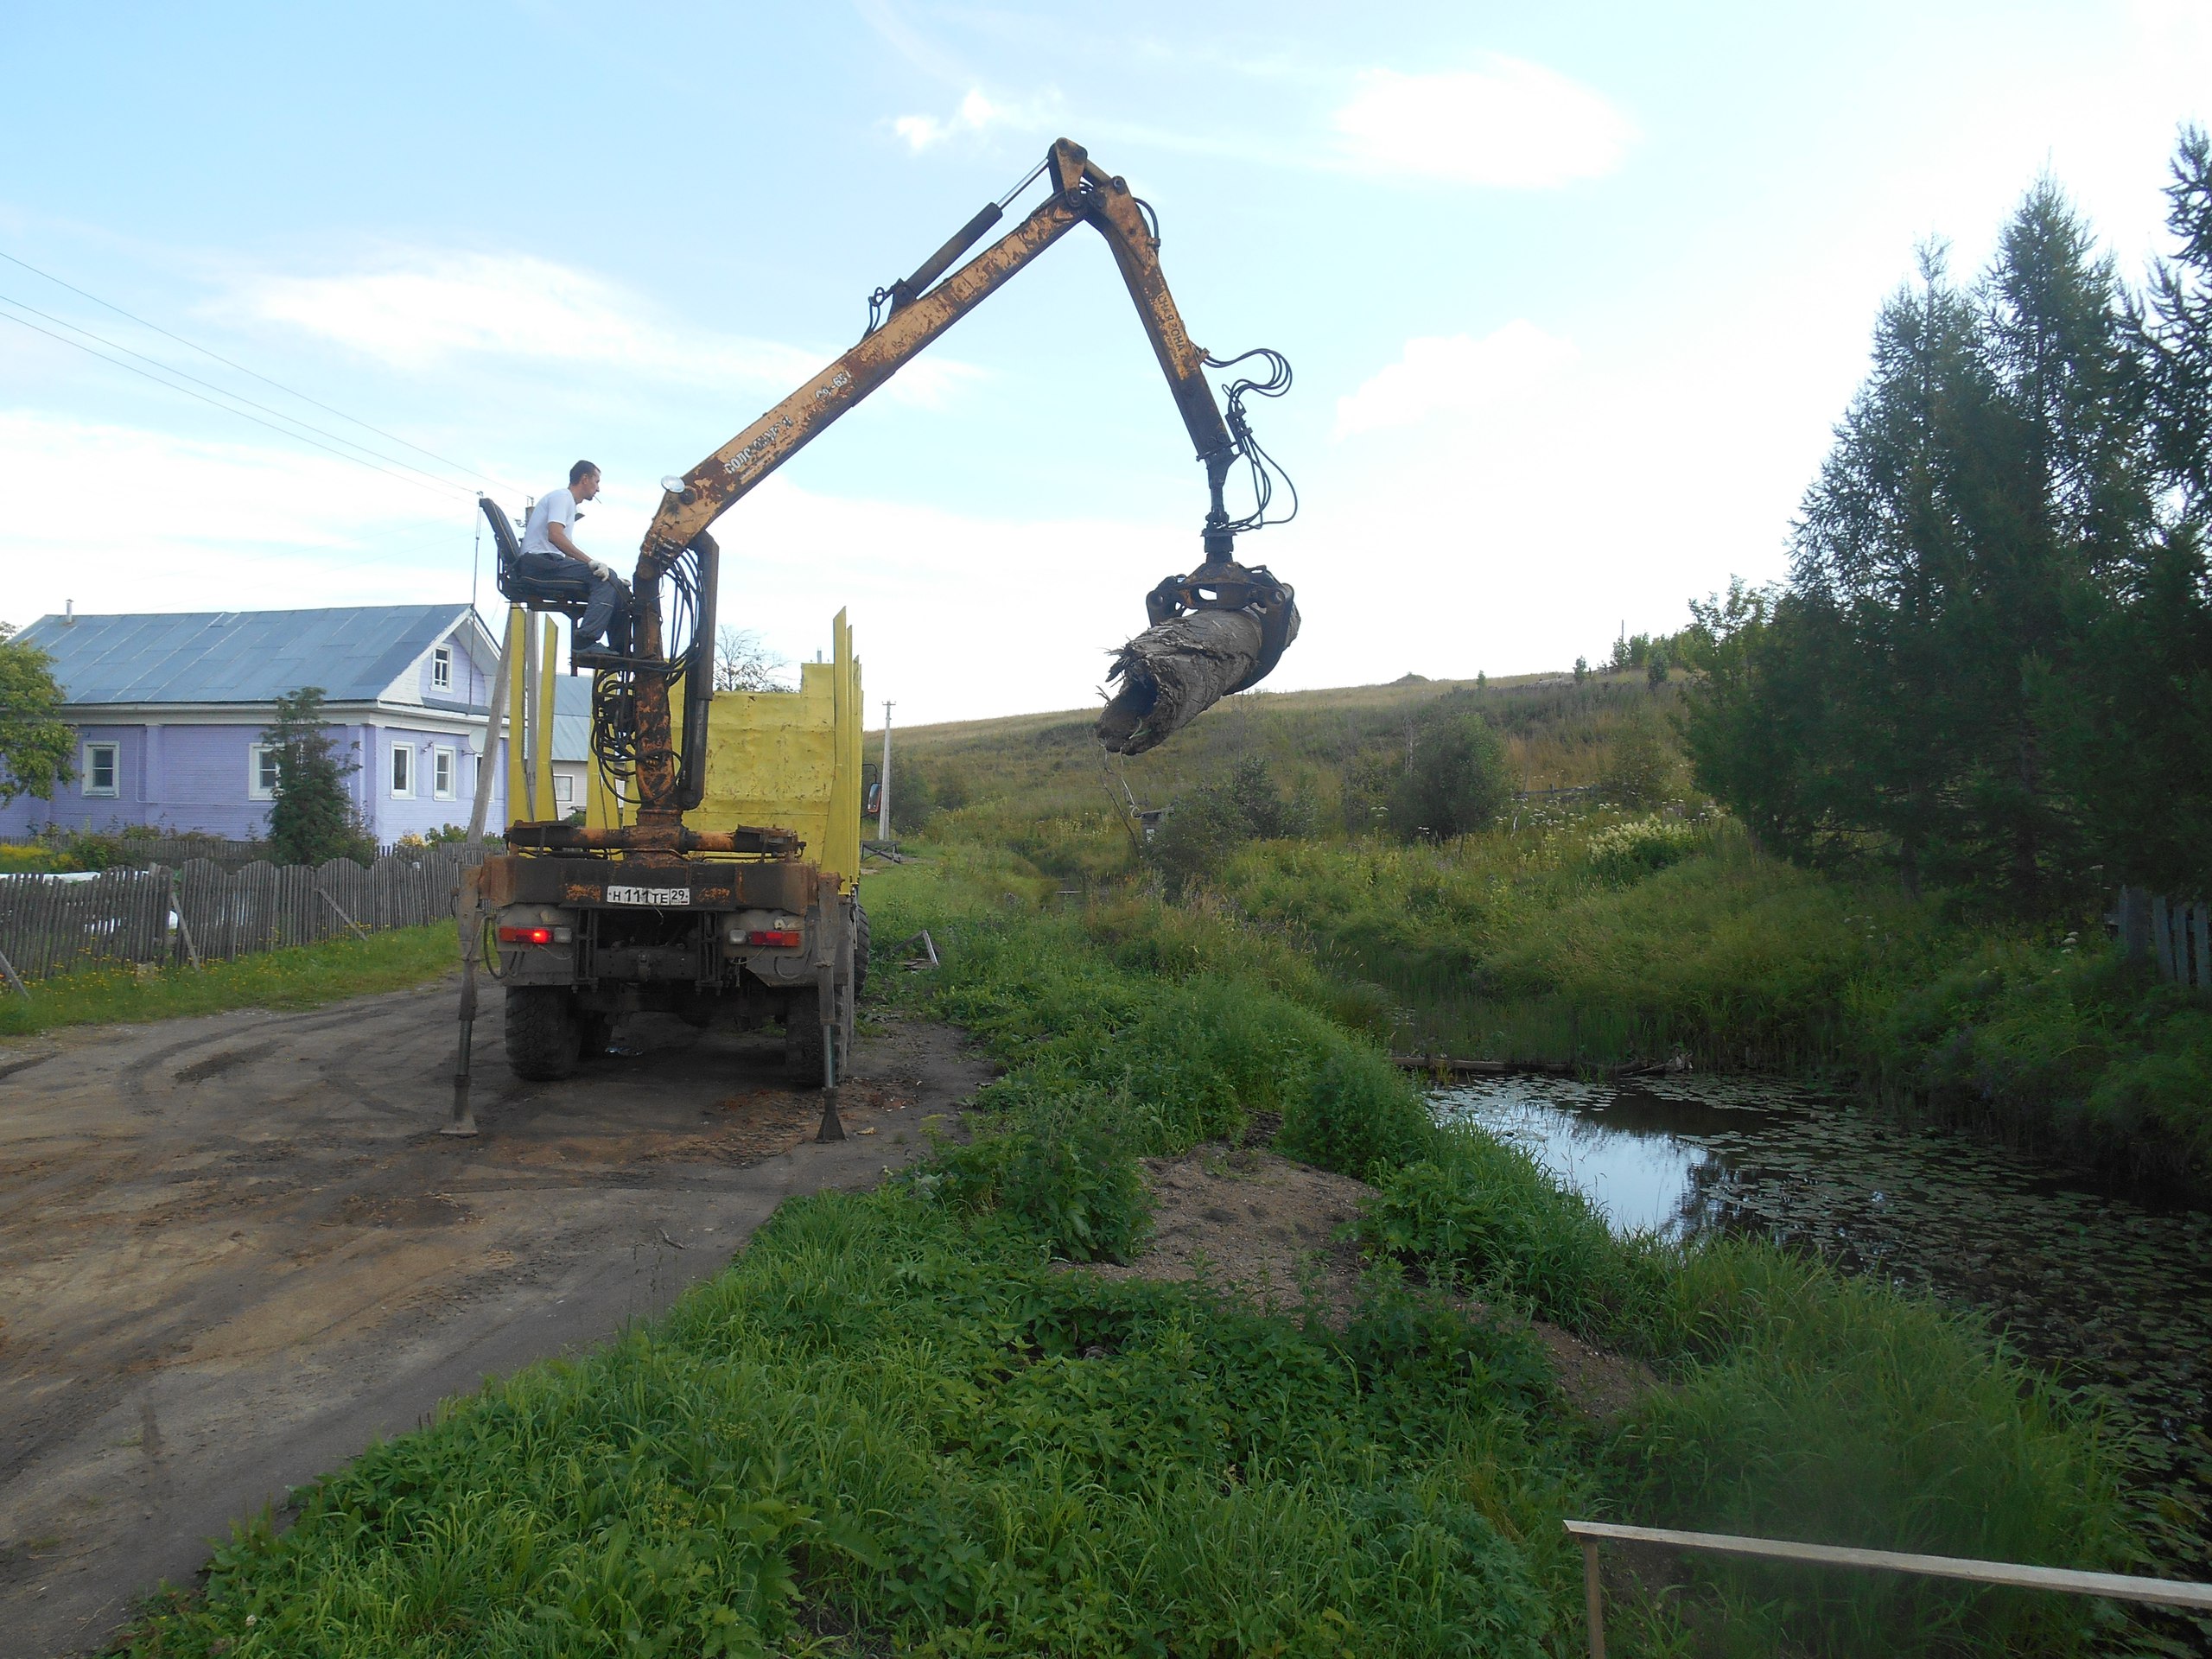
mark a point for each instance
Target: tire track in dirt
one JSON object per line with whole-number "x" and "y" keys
{"x": 232, "y": 1249}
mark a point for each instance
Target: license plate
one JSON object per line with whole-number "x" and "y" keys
{"x": 678, "y": 896}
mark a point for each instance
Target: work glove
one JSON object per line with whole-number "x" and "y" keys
{"x": 602, "y": 572}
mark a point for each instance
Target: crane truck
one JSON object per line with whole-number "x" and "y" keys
{"x": 589, "y": 922}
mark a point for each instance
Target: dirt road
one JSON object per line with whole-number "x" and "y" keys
{"x": 232, "y": 1249}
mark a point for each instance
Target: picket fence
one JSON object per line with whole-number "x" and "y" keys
{"x": 200, "y": 912}
{"x": 177, "y": 851}
{"x": 2174, "y": 935}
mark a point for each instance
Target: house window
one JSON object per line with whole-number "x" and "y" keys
{"x": 99, "y": 768}
{"x": 261, "y": 776}
{"x": 441, "y": 772}
{"x": 441, "y": 668}
{"x": 564, "y": 789}
{"x": 402, "y": 772}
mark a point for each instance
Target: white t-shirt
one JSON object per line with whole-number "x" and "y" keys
{"x": 554, "y": 507}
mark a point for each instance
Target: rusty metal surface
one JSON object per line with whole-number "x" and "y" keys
{"x": 1085, "y": 192}
{"x": 553, "y": 880}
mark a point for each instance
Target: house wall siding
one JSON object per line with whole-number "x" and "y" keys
{"x": 471, "y": 684}
{"x": 195, "y": 777}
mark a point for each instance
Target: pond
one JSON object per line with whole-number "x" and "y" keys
{"x": 2113, "y": 1294}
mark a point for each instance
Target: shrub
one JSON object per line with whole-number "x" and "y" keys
{"x": 1208, "y": 824}
{"x": 1455, "y": 782}
{"x": 29, "y": 858}
{"x": 1357, "y": 1114}
{"x": 1476, "y": 1214}
{"x": 1642, "y": 768}
{"x": 1066, "y": 1176}
{"x": 1641, "y": 846}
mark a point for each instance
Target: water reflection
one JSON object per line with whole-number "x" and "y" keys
{"x": 2116, "y": 1296}
{"x": 1653, "y": 1159}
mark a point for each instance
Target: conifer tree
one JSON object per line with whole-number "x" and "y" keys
{"x": 312, "y": 820}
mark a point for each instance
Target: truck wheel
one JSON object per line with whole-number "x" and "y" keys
{"x": 803, "y": 1038}
{"x": 544, "y": 1037}
{"x": 860, "y": 951}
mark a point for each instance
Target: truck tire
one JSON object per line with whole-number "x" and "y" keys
{"x": 544, "y": 1037}
{"x": 803, "y": 1038}
{"x": 860, "y": 951}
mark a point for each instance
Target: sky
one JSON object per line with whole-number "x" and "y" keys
{"x": 1575, "y": 295}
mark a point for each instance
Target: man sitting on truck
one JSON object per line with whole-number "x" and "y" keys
{"x": 552, "y": 566}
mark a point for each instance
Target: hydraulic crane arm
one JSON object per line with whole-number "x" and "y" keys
{"x": 1215, "y": 630}
{"x": 921, "y": 308}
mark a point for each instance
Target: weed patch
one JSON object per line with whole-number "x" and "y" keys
{"x": 298, "y": 976}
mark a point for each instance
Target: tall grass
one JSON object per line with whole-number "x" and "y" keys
{"x": 1595, "y": 937}
{"x": 1797, "y": 1402}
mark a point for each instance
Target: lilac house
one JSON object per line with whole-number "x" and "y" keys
{"x": 169, "y": 710}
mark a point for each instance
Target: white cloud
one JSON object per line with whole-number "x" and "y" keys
{"x": 184, "y": 525}
{"x": 1509, "y": 124}
{"x": 976, "y": 114}
{"x": 1455, "y": 375}
{"x": 425, "y": 310}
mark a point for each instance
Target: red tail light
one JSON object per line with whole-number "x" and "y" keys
{"x": 787, "y": 937}
{"x": 525, "y": 936}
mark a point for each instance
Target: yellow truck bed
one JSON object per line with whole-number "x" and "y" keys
{"x": 786, "y": 760}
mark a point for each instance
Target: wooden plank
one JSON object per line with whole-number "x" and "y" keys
{"x": 2161, "y": 936}
{"x": 2200, "y": 916}
{"x": 2118, "y": 1586}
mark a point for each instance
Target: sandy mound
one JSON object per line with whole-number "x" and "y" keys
{"x": 1270, "y": 1228}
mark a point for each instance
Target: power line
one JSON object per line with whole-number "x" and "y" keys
{"x": 439, "y": 485}
{"x": 170, "y": 368}
{"x": 288, "y": 391}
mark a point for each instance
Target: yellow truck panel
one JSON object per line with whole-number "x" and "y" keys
{"x": 788, "y": 761}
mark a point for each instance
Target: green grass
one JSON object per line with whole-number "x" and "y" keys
{"x": 897, "y": 1416}
{"x": 300, "y": 976}
{"x": 894, "y": 1415}
{"x": 1029, "y": 768}
{"x": 1575, "y": 933}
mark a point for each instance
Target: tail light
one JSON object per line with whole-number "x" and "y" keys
{"x": 789, "y": 938}
{"x": 534, "y": 935}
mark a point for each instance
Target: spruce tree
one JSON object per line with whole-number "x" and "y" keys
{"x": 1883, "y": 583}
{"x": 2139, "y": 715}
{"x": 2069, "y": 527}
{"x": 312, "y": 820}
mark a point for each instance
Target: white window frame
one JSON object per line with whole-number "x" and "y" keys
{"x": 114, "y": 771}
{"x": 441, "y": 668}
{"x": 401, "y": 761}
{"x": 255, "y": 789}
{"x": 443, "y": 759}
{"x": 564, "y": 790}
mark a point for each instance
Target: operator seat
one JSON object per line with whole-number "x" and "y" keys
{"x": 513, "y": 585}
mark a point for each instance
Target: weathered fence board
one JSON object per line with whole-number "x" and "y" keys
{"x": 2173, "y": 935}
{"x": 51, "y": 925}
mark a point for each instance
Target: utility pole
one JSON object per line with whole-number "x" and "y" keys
{"x": 883, "y": 782}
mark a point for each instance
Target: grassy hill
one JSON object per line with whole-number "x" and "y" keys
{"x": 1558, "y": 733}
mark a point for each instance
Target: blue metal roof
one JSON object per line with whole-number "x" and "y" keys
{"x": 354, "y": 653}
{"x": 572, "y": 718}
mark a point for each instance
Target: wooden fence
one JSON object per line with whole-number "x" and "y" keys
{"x": 202, "y": 912}
{"x": 176, "y": 851}
{"x": 2174, "y": 935}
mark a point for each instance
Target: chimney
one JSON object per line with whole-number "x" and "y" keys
{"x": 68, "y": 613}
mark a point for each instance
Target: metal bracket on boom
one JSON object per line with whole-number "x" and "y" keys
{"x": 1225, "y": 585}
